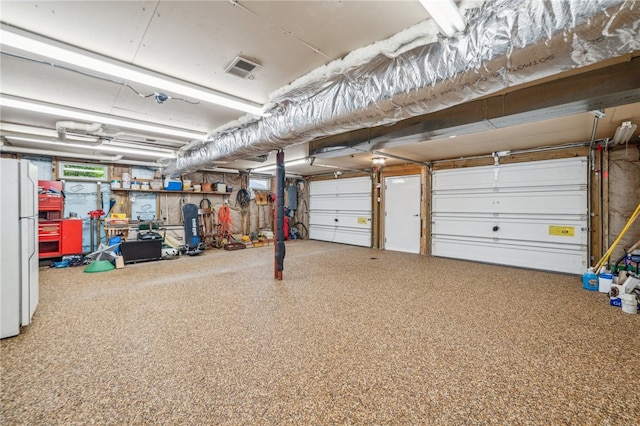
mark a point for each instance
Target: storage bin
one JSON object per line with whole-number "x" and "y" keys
{"x": 172, "y": 184}
{"x": 604, "y": 282}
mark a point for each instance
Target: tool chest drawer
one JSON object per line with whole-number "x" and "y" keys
{"x": 48, "y": 231}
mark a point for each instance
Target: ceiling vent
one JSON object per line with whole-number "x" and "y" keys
{"x": 241, "y": 67}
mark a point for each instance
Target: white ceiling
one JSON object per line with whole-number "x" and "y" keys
{"x": 194, "y": 41}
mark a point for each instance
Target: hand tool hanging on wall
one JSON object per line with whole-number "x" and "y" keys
{"x": 243, "y": 197}
{"x": 226, "y": 224}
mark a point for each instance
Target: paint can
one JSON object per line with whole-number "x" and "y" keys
{"x": 115, "y": 184}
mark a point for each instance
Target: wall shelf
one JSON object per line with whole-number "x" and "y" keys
{"x": 163, "y": 191}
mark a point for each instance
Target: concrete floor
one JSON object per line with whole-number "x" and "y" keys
{"x": 350, "y": 336}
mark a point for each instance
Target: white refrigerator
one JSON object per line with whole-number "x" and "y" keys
{"x": 19, "y": 291}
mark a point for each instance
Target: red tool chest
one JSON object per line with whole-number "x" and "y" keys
{"x": 56, "y": 236}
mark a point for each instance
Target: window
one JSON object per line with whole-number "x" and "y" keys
{"x": 260, "y": 183}
{"x": 81, "y": 171}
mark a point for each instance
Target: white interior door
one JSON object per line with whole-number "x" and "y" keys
{"x": 531, "y": 215}
{"x": 340, "y": 211}
{"x": 402, "y": 213}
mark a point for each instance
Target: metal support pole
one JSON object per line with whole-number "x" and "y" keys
{"x": 279, "y": 246}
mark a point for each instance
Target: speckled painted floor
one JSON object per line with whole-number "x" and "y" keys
{"x": 350, "y": 336}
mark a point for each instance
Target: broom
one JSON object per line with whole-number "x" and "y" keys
{"x": 609, "y": 252}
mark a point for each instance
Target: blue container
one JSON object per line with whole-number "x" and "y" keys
{"x": 590, "y": 280}
{"x": 172, "y": 185}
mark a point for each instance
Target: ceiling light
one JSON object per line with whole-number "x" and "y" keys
{"x": 34, "y": 106}
{"x": 286, "y": 164}
{"x": 39, "y": 131}
{"x": 446, "y": 14}
{"x": 221, "y": 170}
{"x": 624, "y": 133}
{"x": 134, "y": 151}
{"x": 91, "y": 147}
{"x": 134, "y": 145}
{"x": 39, "y": 45}
{"x": 379, "y": 161}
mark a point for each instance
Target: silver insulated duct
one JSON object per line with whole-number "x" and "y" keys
{"x": 506, "y": 43}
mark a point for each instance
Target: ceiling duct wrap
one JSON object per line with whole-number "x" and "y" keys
{"x": 506, "y": 43}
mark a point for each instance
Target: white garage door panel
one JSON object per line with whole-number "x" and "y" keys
{"x": 341, "y": 202}
{"x": 325, "y": 187}
{"x": 340, "y": 211}
{"x": 561, "y": 172}
{"x": 346, "y": 219}
{"x": 333, "y": 234}
{"x": 512, "y": 229}
{"x": 342, "y": 186}
{"x": 560, "y": 202}
{"x": 540, "y": 209}
{"x": 557, "y": 259}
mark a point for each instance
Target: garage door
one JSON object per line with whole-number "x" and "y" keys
{"x": 340, "y": 211}
{"x": 530, "y": 215}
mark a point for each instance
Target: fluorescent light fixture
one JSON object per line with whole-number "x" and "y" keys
{"x": 221, "y": 170}
{"x": 134, "y": 151}
{"x": 93, "y": 147}
{"x": 41, "y": 107}
{"x": 286, "y": 164}
{"x": 39, "y": 45}
{"x": 39, "y": 131}
{"x": 130, "y": 145}
{"x": 623, "y": 133}
{"x": 446, "y": 14}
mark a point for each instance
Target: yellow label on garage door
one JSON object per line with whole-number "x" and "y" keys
{"x": 362, "y": 221}
{"x": 562, "y": 231}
